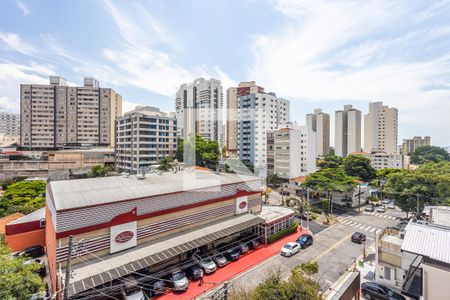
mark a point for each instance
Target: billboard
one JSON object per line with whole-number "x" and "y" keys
{"x": 123, "y": 236}
{"x": 241, "y": 205}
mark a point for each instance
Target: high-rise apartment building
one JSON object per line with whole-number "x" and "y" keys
{"x": 9, "y": 124}
{"x": 347, "y": 128}
{"x": 381, "y": 128}
{"x": 144, "y": 136}
{"x": 259, "y": 113}
{"x": 319, "y": 123}
{"x": 233, "y": 94}
{"x": 410, "y": 145}
{"x": 199, "y": 109}
{"x": 291, "y": 151}
{"x": 59, "y": 116}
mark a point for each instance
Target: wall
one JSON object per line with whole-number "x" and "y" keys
{"x": 20, "y": 241}
{"x": 435, "y": 282}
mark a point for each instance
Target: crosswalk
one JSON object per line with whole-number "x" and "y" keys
{"x": 384, "y": 216}
{"x": 359, "y": 226}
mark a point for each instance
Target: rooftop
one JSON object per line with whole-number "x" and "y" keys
{"x": 427, "y": 240}
{"x": 440, "y": 216}
{"x": 34, "y": 216}
{"x": 392, "y": 239}
{"x": 272, "y": 213}
{"x": 69, "y": 194}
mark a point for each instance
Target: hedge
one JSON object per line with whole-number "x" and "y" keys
{"x": 281, "y": 233}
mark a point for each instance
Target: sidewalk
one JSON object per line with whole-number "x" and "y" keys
{"x": 245, "y": 262}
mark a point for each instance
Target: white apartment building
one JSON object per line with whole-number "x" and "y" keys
{"x": 259, "y": 113}
{"x": 347, "y": 131}
{"x": 291, "y": 151}
{"x": 9, "y": 124}
{"x": 381, "y": 128}
{"x": 319, "y": 123}
{"x": 59, "y": 116}
{"x": 144, "y": 136}
{"x": 233, "y": 94}
{"x": 410, "y": 145}
{"x": 198, "y": 108}
{"x": 382, "y": 160}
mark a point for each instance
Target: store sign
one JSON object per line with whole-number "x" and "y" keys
{"x": 123, "y": 237}
{"x": 241, "y": 205}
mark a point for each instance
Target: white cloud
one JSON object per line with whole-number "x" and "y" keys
{"x": 13, "y": 42}
{"x": 360, "y": 51}
{"x": 24, "y": 8}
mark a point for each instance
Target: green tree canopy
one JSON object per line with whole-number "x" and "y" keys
{"x": 330, "y": 161}
{"x": 359, "y": 166}
{"x": 274, "y": 181}
{"x": 330, "y": 179}
{"x": 165, "y": 164}
{"x": 23, "y": 196}
{"x": 17, "y": 281}
{"x": 429, "y": 154}
{"x": 99, "y": 171}
{"x": 206, "y": 153}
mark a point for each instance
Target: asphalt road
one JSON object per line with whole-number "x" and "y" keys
{"x": 332, "y": 249}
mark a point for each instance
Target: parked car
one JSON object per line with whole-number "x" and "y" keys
{"x": 386, "y": 201}
{"x": 219, "y": 259}
{"x": 159, "y": 287}
{"x": 233, "y": 253}
{"x": 207, "y": 264}
{"x": 32, "y": 252}
{"x": 305, "y": 240}
{"x": 42, "y": 270}
{"x": 358, "y": 237}
{"x": 290, "y": 249}
{"x": 391, "y": 205}
{"x": 369, "y": 208}
{"x": 253, "y": 244}
{"x": 375, "y": 291}
{"x": 381, "y": 209}
{"x": 243, "y": 247}
{"x": 179, "y": 280}
{"x": 193, "y": 272}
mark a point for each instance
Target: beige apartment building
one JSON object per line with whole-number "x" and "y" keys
{"x": 410, "y": 145}
{"x": 347, "y": 131}
{"x": 233, "y": 94}
{"x": 381, "y": 128}
{"x": 57, "y": 116}
{"x": 319, "y": 123}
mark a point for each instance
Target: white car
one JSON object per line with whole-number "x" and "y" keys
{"x": 391, "y": 206}
{"x": 208, "y": 265}
{"x": 381, "y": 209}
{"x": 290, "y": 249}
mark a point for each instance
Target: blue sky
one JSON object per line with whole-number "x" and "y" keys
{"x": 315, "y": 53}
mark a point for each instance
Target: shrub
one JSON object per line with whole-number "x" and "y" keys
{"x": 281, "y": 233}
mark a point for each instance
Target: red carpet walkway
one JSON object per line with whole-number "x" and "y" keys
{"x": 245, "y": 262}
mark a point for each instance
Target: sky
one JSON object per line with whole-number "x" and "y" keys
{"x": 316, "y": 53}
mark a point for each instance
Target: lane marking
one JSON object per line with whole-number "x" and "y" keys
{"x": 331, "y": 248}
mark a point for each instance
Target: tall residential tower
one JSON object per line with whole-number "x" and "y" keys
{"x": 381, "y": 128}
{"x": 319, "y": 123}
{"x": 347, "y": 131}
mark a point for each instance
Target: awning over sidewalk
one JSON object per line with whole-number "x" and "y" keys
{"x": 122, "y": 264}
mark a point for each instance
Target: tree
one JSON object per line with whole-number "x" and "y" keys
{"x": 18, "y": 280}
{"x": 429, "y": 154}
{"x": 330, "y": 161}
{"x": 23, "y": 196}
{"x": 9, "y": 181}
{"x": 274, "y": 181}
{"x": 359, "y": 166}
{"x": 202, "y": 152}
{"x": 99, "y": 171}
{"x": 428, "y": 184}
{"x": 165, "y": 164}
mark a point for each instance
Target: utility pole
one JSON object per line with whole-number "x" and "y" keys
{"x": 359, "y": 197}
{"x": 68, "y": 265}
{"x": 417, "y": 204}
{"x": 225, "y": 292}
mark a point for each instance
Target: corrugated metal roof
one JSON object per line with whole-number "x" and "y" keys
{"x": 69, "y": 194}
{"x": 427, "y": 240}
{"x": 89, "y": 276}
{"x": 440, "y": 216}
{"x": 34, "y": 216}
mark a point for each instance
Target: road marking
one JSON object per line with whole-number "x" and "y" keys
{"x": 352, "y": 225}
{"x": 347, "y": 222}
{"x": 378, "y": 231}
{"x": 385, "y": 217}
{"x": 364, "y": 227}
{"x": 331, "y": 248}
{"x": 373, "y": 229}
{"x": 361, "y": 227}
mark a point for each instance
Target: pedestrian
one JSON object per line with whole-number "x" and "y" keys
{"x": 201, "y": 277}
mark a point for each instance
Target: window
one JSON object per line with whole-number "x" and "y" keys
{"x": 387, "y": 273}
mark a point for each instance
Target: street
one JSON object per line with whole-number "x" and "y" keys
{"x": 332, "y": 248}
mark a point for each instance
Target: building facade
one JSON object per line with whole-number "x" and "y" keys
{"x": 144, "y": 137}
{"x": 381, "y": 128}
{"x": 233, "y": 94}
{"x": 410, "y": 145}
{"x": 9, "y": 124}
{"x": 382, "y": 160}
{"x": 58, "y": 116}
{"x": 259, "y": 113}
{"x": 199, "y": 107}
{"x": 319, "y": 123}
{"x": 347, "y": 131}
{"x": 291, "y": 152}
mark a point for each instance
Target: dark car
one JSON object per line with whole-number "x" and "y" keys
{"x": 233, "y": 254}
{"x": 41, "y": 271}
{"x": 33, "y": 252}
{"x": 375, "y": 291}
{"x": 358, "y": 237}
{"x": 253, "y": 244}
{"x": 305, "y": 240}
{"x": 159, "y": 287}
{"x": 193, "y": 272}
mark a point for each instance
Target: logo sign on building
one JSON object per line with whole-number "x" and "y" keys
{"x": 123, "y": 236}
{"x": 241, "y": 205}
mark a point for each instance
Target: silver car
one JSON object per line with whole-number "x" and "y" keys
{"x": 207, "y": 264}
{"x": 179, "y": 280}
{"x": 219, "y": 259}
